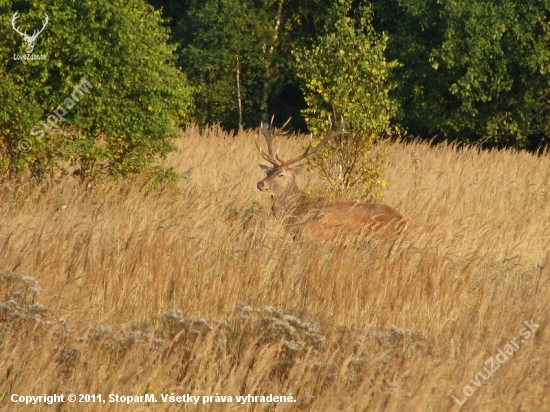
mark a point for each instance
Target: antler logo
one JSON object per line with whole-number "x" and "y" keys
{"x": 30, "y": 40}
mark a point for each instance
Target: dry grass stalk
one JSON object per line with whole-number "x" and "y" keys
{"x": 92, "y": 281}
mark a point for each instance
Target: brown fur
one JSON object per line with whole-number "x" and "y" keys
{"x": 322, "y": 218}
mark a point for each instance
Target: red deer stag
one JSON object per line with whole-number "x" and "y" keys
{"x": 324, "y": 219}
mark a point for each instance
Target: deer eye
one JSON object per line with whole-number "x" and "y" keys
{"x": 281, "y": 175}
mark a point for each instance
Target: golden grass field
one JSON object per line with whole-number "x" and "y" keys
{"x": 200, "y": 291}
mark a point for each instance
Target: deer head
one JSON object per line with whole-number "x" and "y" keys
{"x": 281, "y": 175}
{"x": 30, "y": 40}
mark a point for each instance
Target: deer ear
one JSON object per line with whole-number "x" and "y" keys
{"x": 298, "y": 169}
{"x": 266, "y": 169}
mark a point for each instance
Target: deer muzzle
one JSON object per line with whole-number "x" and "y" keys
{"x": 261, "y": 185}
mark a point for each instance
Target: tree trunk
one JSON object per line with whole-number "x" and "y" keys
{"x": 239, "y": 97}
{"x": 268, "y": 51}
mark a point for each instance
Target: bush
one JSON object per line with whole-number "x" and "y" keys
{"x": 472, "y": 71}
{"x": 121, "y": 123}
{"x": 345, "y": 73}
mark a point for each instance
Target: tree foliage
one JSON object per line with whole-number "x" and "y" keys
{"x": 225, "y": 61}
{"x": 237, "y": 54}
{"x": 123, "y": 123}
{"x": 468, "y": 70}
{"x": 345, "y": 73}
{"x": 473, "y": 71}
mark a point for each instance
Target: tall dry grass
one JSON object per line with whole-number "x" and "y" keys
{"x": 199, "y": 291}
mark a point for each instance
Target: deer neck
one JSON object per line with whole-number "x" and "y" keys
{"x": 286, "y": 200}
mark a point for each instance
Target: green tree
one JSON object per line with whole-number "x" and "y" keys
{"x": 345, "y": 73}
{"x": 122, "y": 124}
{"x": 237, "y": 53}
{"x": 224, "y": 60}
{"x": 16, "y": 120}
{"x": 473, "y": 71}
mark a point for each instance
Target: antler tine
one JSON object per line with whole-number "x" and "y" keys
{"x": 13, "y": 21}
{"x": 36, "y": 33}
{"x": 283, "y": 132}
{"x": 44, "y": 25}
{"x": 283, "y": 127}
{"x": 265, "y": 155}
{"x": 269, "y": 135}
{"x": 309, "y": 151}
{"x": 269, "y": 156}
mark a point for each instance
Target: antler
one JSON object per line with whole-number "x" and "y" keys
{"x": 267, "y": 131}
{"x": 275, "y": 160}
{"x": 13, "y": 19}
{"x": 29, "y": 39}
{"x": 37, "y": 32}
{"x": 309, "y": 151}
